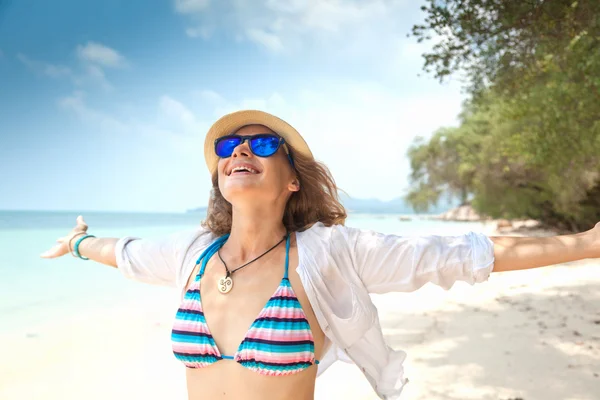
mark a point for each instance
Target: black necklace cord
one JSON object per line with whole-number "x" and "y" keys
{"x": 229, "y": 273}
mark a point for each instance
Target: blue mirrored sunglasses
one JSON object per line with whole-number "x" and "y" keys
{"x": 262, "y": 145}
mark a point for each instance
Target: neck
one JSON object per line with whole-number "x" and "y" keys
{"x": 254, "y": 231}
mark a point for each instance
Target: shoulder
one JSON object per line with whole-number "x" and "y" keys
{"x": 163, "y": 259}
{"x": 177, "y": 243}
{"x": 320, "y": 232}
{"x": 189, "y": 245}
{"x": 198, "y": 237}
{"x": 326, "y": 247}
{"x": 334, "y": 237}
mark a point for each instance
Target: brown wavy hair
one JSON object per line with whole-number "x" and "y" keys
{"x": 316, "y": 201}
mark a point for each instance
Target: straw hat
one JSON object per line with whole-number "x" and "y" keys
{"x": 230, "y": 123}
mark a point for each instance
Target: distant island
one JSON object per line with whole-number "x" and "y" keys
{"x": 373, "y": 206}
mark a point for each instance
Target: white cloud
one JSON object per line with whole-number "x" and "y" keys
{"x": 76, "y": 104}
{"x": 43, "y": 68}
{"x": 174, "y": 126}
{"x": 204, "y": 32}
{"x": 90, "y": 72}
{"x": 95, "y": 74}
{"x": 334, "y": 15}
{"x": 364, "y": 132}
{"x": 56, "y": 71}
{"x": 175, "y": 109}
{"x": 268, "y": 40}
{"x": 155, "y": 150}
{"x": 95, "y": 58}
{"x": 191, "y": 6}
{"x": 100, "y": 54}
{"x": 213, "y": 98}
{"x": 294, "y": 24}
{"x": 369, "y": 36}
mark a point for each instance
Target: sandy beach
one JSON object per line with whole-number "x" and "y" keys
{"x": 530, "y": 335}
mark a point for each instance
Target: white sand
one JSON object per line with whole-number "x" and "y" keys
{"x": 531, "y": 334}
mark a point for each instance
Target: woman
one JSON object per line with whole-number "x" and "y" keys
{"x": 274, "y": 288}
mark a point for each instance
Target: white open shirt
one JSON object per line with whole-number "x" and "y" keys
{"x": 338, "y": 266}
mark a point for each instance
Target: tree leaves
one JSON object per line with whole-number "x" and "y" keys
{"x": 529, "y": 141}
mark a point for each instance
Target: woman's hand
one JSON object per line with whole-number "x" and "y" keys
{"x": 64, "y": 244}
{"x": 513, "y": 253}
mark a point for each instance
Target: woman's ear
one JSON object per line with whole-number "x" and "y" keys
{"x": 294, "y": 186}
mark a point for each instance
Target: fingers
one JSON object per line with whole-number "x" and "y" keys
{"x": 52, "y": 253}
{"x": 81, "y": 223}
{"x": 61, "y": 248}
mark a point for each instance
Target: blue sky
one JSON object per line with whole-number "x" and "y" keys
{"x": 105, "y": 105}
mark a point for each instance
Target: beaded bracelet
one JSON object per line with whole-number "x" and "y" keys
{"x": 71, "y": 241}
{"x": 76, "y": 247}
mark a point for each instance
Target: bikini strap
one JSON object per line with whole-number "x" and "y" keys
{"x": 209, "y": 252}
{"x": 287, "y": 256}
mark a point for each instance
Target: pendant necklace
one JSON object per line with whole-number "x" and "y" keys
{"x": 225, "y": 284}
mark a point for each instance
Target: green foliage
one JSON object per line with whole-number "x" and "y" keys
{"x": 529, "y": 141}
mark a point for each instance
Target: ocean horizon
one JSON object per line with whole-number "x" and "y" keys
{"x": 46, "y": 219}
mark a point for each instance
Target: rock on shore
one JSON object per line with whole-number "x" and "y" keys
{"x": 461, "y": 213}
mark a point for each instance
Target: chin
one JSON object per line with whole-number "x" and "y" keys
{"x": 234, "y": 189}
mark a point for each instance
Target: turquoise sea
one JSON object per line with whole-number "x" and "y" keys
{"x": 35, "y": 291}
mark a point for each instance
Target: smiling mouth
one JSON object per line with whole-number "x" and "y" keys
{"x": 243, "y": 170}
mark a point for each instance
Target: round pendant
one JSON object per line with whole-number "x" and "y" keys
{"x": 225, "y": 284}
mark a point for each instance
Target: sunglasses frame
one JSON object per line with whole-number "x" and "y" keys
{"x": 248, "y": 138}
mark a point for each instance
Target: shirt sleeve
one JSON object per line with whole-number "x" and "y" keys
{"x": 156, "y": 261}
{"x": 390, "y": 263}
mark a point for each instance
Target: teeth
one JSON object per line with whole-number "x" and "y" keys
{"x": 247, "y": 169}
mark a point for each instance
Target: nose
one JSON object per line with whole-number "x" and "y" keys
{"x": 242, "y": 150}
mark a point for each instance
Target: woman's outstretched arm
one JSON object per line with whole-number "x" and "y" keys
{"x": 515, "y": 253}
{"x": 101, "y": 250}
{"x": 391, "y": 263}
{"x": 160, "y": 261}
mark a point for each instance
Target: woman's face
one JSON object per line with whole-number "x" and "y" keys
{"x": 272, "y": 178}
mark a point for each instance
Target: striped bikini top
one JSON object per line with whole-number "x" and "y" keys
{"x": 279, "y": 341}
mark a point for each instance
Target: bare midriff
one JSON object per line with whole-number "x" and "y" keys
{"x": 227, "y": 379}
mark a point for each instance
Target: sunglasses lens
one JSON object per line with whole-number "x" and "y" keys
{"x": 226, "y": 145}
{"x": 264, "y": 145}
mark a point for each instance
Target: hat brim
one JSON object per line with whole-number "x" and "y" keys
{"x": 230, "y": 123}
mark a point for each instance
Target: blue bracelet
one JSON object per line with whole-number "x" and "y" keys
{"x": 76, "y": 247}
